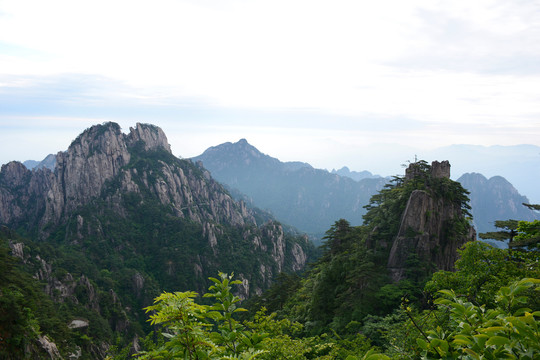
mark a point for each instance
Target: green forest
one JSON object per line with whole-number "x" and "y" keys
{"x": 345, "y": 305}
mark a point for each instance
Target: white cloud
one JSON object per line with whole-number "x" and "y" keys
{"x": 395, "y": 71}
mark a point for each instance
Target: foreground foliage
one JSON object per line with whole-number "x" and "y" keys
{"x": 507, "y": 331}
{"x": 191, "y": 330}
{"x": 454, "y": 328}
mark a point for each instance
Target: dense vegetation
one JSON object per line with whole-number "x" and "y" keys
{"x": 26, "y": 312}
{"x": 345, "y": 306}
{"x": 112, "y": 256}
{"x": 492, "y": 312}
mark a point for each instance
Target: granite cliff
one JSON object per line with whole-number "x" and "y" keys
{"x": 97, "y": 157}
{"x": 433, "y": 224}
{"x": 105, "y": 164}
{"x": 121, "y": 218}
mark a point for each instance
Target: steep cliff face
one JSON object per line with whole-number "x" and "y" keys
{"x": 433, "y": 225}
{"x": 124, "y": 214}
{"x": 101, "y": 154}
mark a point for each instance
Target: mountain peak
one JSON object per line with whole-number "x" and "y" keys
{"x": 152, "y": 136}
{"x": 109, "y": 134}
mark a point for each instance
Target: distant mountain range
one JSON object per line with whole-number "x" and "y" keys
{"x": 519, "y": 164}
{"x": 355, "y": 175}
{"x": 494, "y": 199}
{"x": 312, "y": 199}
{"x": 49, "y": 163}
{"x": 294, "y": 192}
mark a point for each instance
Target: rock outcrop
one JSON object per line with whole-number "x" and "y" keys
{"x": 97, "y": 157}
{"x": 102, "y": 166}
{"x": 432, "y": 228}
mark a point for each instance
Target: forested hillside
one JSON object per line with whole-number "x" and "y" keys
{"x": 119, "y": 221}
{"x": 125, "y": 249}
{"x": 350, "y": 305}
{"x": 296, "y": 193}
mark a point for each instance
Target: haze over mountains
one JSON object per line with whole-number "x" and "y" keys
{"x": 296, "y": 193}
{"x": 312, "y": 199}
{"x": 119, "y": 219}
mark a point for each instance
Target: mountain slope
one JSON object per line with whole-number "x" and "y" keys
{"x": 49, "y": 162}
{"x": 413, "y": 228}
{"x": 121, "y": 219}
{"x": 494, "y": 199}
{"x": 355, "y": 175}
{"x": 296, "y": 193}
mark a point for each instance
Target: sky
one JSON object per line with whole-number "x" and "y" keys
{"x": 367, "y": 84}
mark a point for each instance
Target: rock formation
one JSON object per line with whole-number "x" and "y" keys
{"x": 104, "y": 163}
{"x": 98, "y": 156}
{"x": 432, "y": 227}
{"x": 495, "y": 199}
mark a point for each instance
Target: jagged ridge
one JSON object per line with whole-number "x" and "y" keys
{"x": 123, "y": 203}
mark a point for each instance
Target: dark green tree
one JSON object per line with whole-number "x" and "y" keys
{"x": 507, "y": 233}
{"x": 521, "y": 234}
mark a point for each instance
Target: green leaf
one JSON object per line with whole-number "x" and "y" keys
{"x": 462, "y": 340}
{"x": 422, "y": 343}
{"x": 449, "y": 293}
{"x": 498, "y": 341}
{"x": 471, "y": 353}
{"x": 493, "y": 330}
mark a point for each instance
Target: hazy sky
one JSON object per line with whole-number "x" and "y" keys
{"x": 326, "y": 82}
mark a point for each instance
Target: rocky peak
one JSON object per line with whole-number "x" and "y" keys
{"x": 494, "y": 199}
{"x": 437, "y": 170}
{"x": 440, "y": 169}
{"x": 235, "y": 155}
{"x": 97, "y": 155}
{"x": 14, "y": 174}
{"x": 151, "y": 136}
{"x": 427, "y": 233}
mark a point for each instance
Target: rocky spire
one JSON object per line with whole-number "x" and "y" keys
{"x": 151, "y": 136}
{"x": 427, "y": 230}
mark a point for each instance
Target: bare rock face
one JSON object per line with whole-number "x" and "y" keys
{"x": 15, "y": 174}
{"x": 440, "y": 169}
{"x": 96, "y": 157}
{"x": 300, "y": 257}
{"x": 103, "y": 164}
{"x": 427, "y": 230}
{"x": 151, "y": 137}
{"x": 49, "y": 347}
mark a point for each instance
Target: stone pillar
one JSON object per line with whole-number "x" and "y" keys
{"x": 440, "y": 169}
